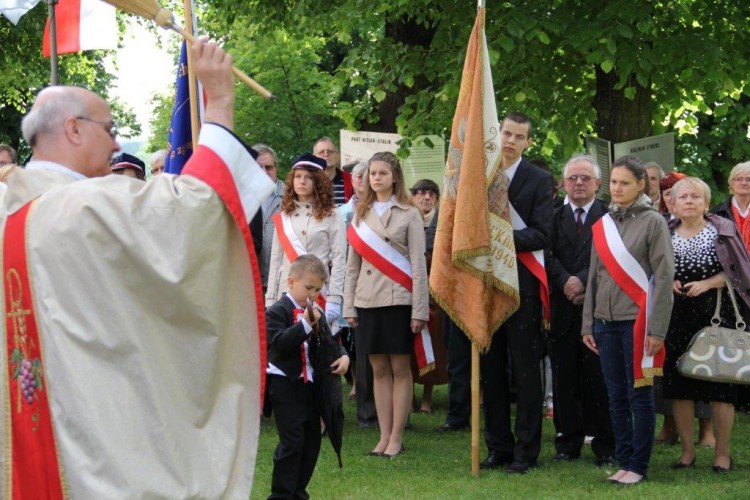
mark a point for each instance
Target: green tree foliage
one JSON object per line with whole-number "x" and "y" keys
{"x": 288, "y": 65}
{"x": 25, "y": 71}
{"x": 163, "y": 105}
{"x": 620, "y": 69}
{"x": 292, "y": 66}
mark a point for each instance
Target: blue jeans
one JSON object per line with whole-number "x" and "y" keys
{"x": 632, "y": 409}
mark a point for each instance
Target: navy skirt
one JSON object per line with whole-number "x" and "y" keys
{"x": 385, "y": 330}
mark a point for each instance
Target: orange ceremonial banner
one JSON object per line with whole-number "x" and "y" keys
{"x": 474, "y": 276}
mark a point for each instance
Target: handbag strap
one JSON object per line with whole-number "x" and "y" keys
{"x": 739, "y": 323}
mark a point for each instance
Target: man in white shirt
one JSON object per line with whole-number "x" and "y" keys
{"x": 580, "y": 397}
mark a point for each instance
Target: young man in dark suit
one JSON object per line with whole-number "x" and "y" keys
{"x": 519, "y": 340}
{"x": 580, "y": 397}
{"x": 290, "y": 378}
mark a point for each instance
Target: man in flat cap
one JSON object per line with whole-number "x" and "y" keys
{"x": 129, "y": 166}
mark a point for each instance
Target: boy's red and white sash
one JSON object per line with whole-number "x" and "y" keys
{"x": 632, "y": 279}
{"x": 292, "y": 246}
{"x": 534, "y": 262}
{"x": 33, "y": 467}
{"x": 391, "y": 263}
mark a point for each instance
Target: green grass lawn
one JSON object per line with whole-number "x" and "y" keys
{"x": 438, "y": 465}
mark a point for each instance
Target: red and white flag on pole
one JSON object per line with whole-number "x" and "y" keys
{"x": 82, "y": 25}
{"x": 14, "y": 9}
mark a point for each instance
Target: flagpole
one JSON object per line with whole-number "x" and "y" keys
{"x": 192, "y": 84}
{"x": 474, "y": 410}
{"x": 475, "y": 381}
{"x": 54, "y": 74}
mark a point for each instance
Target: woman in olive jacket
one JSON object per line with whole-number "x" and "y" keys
{"x": 609, "y": 316}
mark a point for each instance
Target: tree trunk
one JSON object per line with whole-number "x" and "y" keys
{"x": 618, "y": 118}
{"x": 406, "y": 31}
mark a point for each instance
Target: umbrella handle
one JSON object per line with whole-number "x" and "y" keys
{"x": 315, "y": 327}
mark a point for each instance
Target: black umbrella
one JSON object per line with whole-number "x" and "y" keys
{"x": 329, "y": 401}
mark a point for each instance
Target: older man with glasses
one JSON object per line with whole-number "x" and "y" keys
{"x": 145, "y": 301}
{"x": 580, "y": 398}
{"x": 156, "y": 162}
{"x": 268, "y": 161}
{"x": 342, "y": 181}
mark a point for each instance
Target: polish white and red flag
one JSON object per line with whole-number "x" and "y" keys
{"x": 14, "y": 9}
{"x": 82, "y": 25}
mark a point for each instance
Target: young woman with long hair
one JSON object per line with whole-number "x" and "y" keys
{"x": 386, "y": 292}
{"x": 308, "y": 224}
{"x": 631, "y": 273}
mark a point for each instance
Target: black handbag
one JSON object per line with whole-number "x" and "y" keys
{"x": 716, "y": 353}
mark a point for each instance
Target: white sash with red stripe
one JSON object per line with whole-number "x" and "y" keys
{"x": 394, "y": 265}
{"x": 289, "y": 240}
{"x": 293, "y": 247}
{"x": 632, "y": 279}
{"x": 534, "y": 262}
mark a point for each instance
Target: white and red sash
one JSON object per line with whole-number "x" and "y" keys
{"x": 630, "y": 276}
{"x": 306, "y": 372}
{"x": 34, "y": 466}
{"x": 289, "y": 240}
{"x": 293, "y": 247}
{"x": 395, "y": 266}
{"x": 534, "y": 262}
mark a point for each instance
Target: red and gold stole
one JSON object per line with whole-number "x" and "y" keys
{"x": 36, "y": 472}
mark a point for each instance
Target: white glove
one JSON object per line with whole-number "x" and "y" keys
{"x": 333, "y": 311}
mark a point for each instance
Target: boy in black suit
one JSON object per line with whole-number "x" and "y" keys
{"x": 290, "y": 377}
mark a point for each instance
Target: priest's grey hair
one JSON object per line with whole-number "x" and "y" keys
{"x": 48, "y": 116}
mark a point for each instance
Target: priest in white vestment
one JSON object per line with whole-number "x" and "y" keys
{"x": 152, "y": 335}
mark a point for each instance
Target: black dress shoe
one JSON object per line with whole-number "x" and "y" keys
{"x": 495, "y": 460}
{"x": 448, "y": 427}
{"x": 519, "y": 467}
{"x": 605, "y": 460}
{"x": 682, "y": 465}
{"x": 722, "y": 470}
{"x": 399, "y": 452}
{"x": 566, "y": 457}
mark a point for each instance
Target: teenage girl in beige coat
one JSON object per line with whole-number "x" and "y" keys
{"x": 387, "y": 314}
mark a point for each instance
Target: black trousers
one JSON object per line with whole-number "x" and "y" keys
{"x": 580, "y": 396}
{"x": 458, "y": 350}
{"x": 366, "y": 413}
{"x": 298, "y": 425}
{"x": 519, "y": 340}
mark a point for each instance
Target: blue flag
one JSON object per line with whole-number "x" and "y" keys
{"x": 180, "y": 140}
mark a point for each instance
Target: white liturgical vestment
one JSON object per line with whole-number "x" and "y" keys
{"x": 152, "y": 334}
